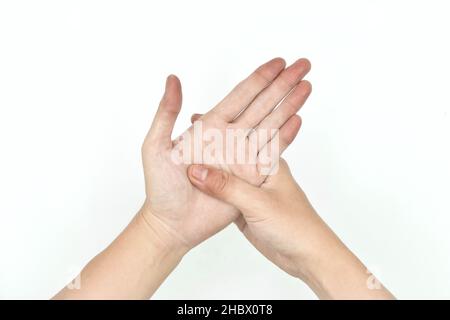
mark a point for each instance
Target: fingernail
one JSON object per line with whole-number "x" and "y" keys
{"x": 199, "y": 172}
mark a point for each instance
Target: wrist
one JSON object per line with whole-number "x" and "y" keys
{"x": 159, "y": 237}
{"x": 325, "y": 270}
{"x": 132, "y": 267}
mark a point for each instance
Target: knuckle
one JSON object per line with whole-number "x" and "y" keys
{"x": 291, "y": 106}
{"x": 285, "y": 82}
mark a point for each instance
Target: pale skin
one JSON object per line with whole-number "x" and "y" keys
{"x": 281, "y": 223}
{"x": 180, "y": 211}
{"x": 176, "y": 216}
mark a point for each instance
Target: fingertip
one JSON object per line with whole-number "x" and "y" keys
{"x": 306, "y": 86}
{"x": 172, "y": 98}
{"x": 300, "y": 93}
{"x": 195, "y": 117}
{"x": 279, "y": 62}
{"x": 172, "y": 77}
{"x": 305, "y": 63}
{"x": 190, "y": 175}
{"x": 189, "y": 172}
{"x": 173, "y": 83}
{"x": 197, "y": 173}
{"x": 272, "y": 68}
{"x": 296, "y": 119}
{"x": 296, "y": 124}
{"x": 290, "y": 129}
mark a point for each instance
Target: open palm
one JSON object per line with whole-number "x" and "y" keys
{"x": 186, "y": 213}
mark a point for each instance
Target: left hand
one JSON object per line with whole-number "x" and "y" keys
{"x": 179, "y": 213}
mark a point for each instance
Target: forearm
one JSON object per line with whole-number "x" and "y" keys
{"x": 334, "y": 272}
{"x": 132, "y": 267}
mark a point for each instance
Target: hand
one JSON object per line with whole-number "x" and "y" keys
{"x": 279, "y": 221}
{"x": 180, "y": 214}
{"x": 176, "y": 216}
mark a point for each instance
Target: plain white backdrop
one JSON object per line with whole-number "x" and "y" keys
{"x": 81, "y": 80}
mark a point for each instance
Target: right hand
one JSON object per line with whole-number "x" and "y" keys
{"x": 179, "y": 214}
{"x": 280, "y": 222}
{"x": 277, "y": 218}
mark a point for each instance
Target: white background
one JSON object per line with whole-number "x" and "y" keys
{"x": 79, "y": 84}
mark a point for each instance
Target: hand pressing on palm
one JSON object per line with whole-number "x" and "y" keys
{"x": 176, "y": 216}
{"x": 263, "y": 106}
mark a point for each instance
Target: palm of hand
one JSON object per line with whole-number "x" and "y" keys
{"x": 189, "y": 214}
{"x": 192, "y": 214}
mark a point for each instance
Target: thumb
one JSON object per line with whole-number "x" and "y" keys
{"x": 167, "y": 113}
{"x": 226, "y": 187}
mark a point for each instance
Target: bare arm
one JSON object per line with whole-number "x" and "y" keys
{"x": 279, "y": 221}
{"x": 132, "y": 267}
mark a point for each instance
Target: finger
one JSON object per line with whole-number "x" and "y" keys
{"x": 244, "y": 93}
{"x": 168, "y": 110}
{"x": 269, "y": 155}
{"x": 225, "y": 186}
{"x": 290, "y": 106}
{"x": 195, "y": 117}
{"x": 271, "y": 97}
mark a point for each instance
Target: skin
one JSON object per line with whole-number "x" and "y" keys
{"x": 281, "y": 223}
{"x": 172, "y": 203}
{"x": 186, "y": 203}
{"x": 176, "y": 216}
